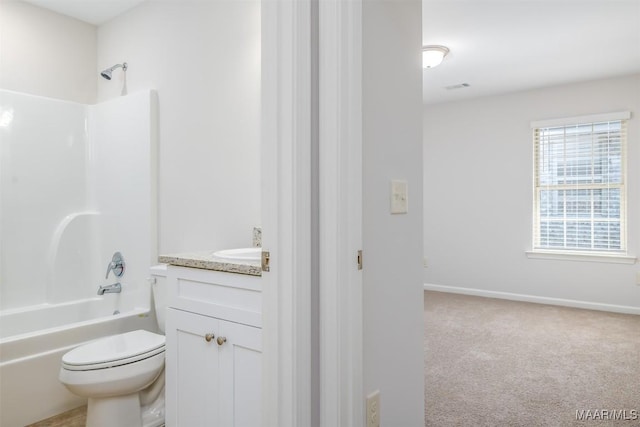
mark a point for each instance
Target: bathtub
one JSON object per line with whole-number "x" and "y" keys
{"x": 32, "y": 342}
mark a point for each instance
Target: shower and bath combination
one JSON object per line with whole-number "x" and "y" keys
{"x": 107, "y": 73}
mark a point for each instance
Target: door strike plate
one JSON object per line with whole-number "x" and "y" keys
{"x": 266, "y": 257}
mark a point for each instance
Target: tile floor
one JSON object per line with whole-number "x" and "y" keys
{"x": 73, "y": 418}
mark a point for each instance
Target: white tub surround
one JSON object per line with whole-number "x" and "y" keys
{"x": 208, "y": 261}
{"x": 77, "y": 183}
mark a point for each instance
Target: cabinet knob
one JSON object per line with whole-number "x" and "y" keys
{"x": 209, "y": 337}
{"x": 222, "y": 340}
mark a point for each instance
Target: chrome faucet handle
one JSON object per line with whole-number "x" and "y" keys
{"x": 116, "y": 265}
{"x": 110, "y": 267}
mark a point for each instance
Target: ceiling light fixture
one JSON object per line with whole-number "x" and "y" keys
{"x": 432, "y": 55}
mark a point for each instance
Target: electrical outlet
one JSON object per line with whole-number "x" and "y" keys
{"x": 638, "y": 278}
{"x": 373, "y": 409}
{"x": 425, "y": 263}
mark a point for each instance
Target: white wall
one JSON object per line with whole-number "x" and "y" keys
{"x": 47, "y": 54}
{"x": 392, "y": 244}
{"x": 203, "y": 58}
{"x": 478, "y": 195}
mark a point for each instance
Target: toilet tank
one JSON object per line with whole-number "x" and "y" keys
{"x": 158, "y": 274}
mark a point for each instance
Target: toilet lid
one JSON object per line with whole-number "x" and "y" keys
{"x": 114, "y": 350}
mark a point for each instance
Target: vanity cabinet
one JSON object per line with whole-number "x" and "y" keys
{"x": 213, "y": 349}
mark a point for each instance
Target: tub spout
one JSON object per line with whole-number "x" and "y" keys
{"x": 116, "y": 288}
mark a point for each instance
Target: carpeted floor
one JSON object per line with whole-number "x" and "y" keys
{"x": 491, "y": 362}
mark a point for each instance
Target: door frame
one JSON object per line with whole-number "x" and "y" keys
{"x": 286, "y": 213}
{"x": 287, "y": 195}
{"x": 340, "y": 213}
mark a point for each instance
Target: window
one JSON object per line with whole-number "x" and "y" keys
{"x": 579, "y": 180}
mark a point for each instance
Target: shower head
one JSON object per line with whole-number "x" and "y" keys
{"x": 107, "y": 73}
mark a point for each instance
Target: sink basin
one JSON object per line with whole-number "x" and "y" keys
{"x": 239, "y": 255}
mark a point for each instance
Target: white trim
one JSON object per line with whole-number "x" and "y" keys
{"x": 340, "y": 149}
{"x": 582, "y": 256}
{"x": 286, "y": 213}
{"x": 627, "y": 309}
{"x": 592, "y": 118}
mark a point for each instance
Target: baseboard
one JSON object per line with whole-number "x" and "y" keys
{"x": 535, "y": 299}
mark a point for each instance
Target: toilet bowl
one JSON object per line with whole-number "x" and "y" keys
{"x": 122, "y": 376}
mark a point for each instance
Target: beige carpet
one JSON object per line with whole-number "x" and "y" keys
{"x": 492, "y": 362}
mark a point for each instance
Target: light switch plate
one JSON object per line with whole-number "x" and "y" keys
{"x": 399, "y": 197}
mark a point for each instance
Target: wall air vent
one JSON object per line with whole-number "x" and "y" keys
{"x": 458, "y": 86}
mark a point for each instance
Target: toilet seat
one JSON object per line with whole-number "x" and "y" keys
{"x": 115, "y": 350}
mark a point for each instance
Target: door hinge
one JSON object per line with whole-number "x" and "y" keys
{"x": 266, "y": 257}
{"x": 360, "y": 259}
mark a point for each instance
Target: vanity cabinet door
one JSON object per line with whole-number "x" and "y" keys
{"x": 192, "y": 370}
{"x": 240, "y": 375}
{"x": 213, "y": 372}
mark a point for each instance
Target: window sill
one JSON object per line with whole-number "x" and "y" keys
{"x": 582, "y": 256}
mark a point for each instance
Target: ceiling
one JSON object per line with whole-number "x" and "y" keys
{"x": 500, "y": 46}
{"x": 95, "y": 12}
{"x": 497, "y": 46}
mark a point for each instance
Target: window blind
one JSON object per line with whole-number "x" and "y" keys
{"x": 579, "y": 180}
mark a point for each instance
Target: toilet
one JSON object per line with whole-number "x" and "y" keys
{"x": 122, "y": 375}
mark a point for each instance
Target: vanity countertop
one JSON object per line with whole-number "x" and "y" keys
{"x": 205, "y": 260}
